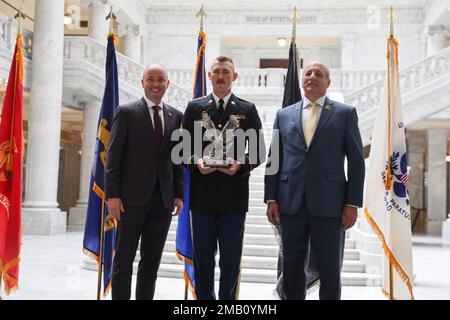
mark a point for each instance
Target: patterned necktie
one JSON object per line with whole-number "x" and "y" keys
{"x": 221, "y": 108}
{"x": 311, "y": 123}
{"x": 157, "y": 124}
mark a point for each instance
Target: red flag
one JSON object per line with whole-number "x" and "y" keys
{"x": 11, "y": 150}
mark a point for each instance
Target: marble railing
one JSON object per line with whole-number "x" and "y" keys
{"x": 8, "y": 33}
{"x": 342, "y": 80}
{"x": 78, "y": 48}
{"x": 426, "y": 77}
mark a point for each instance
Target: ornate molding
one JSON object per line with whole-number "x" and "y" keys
{"x": 89, "y": 2}
{"x": 277, "y": 15}
{"x": 439, "y": 29}
{"x": 125, "y": 30}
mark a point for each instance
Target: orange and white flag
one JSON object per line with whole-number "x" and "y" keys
{"x": 386, "y": 200}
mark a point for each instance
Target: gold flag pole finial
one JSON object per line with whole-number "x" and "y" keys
{"x": 111, "y": 17}
{"x": 202, "y": 14}
{"x": 391, "y": 16}
{"x": 294, "y": 19}
{"x": 19, "y": 16}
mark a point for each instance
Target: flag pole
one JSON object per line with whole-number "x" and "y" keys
{"x": 202, "y": 14}
{"x": 9, "y": 162}
{"x": 109, "y": 17}
{"x": 100, "y": 258}
{"x": 294, "y": 18}
{"x": 388, "y": 180}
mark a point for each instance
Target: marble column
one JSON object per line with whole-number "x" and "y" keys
{"x": 437, "y": 39}
{"x": 131, "y": 42}
{"x": 77, "y": 214}
{"x": 98, "y": 25}
{"x": 41, "y": 214}
{"x": 348, "y": 51}
{"x": 446, "y": 223}
{"x": 436, "y": 179}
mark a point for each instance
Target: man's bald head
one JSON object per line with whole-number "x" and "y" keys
{"x": 316, "y": 80}
{"x": 320, "y": 65}
{"x": 155, "y": 82}
{"x": 158, "y": 67}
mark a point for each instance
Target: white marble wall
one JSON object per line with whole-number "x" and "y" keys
{"x": 249, "y": 35}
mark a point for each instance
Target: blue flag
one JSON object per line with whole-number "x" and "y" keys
{"x": 96, "y": 202}
{"x": 184, "y": 237}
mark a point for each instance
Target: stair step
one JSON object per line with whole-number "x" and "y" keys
{"x": 258, "y": 250}
{"x": 256, "y": 219}
{"x": 256, "y": 178}
{"x": 258, "y": 228}
{"x": 247, "y": 275}
{"x": 257, "y": 186}
{"x": 256, "y": 194}
{"x": 255, "y": 202}
{"x": 351, "y": 274}
{"x": 266, "y": 263}
{"x": 258, "y": 210}
{"x": 263, "y": 239}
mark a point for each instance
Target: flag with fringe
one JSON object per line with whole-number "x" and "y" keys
{"x": 386, "y": 204}
{"x": 184, "y": 248}
{"x": 11, "y": 151}
{"x": 97, "y": 210}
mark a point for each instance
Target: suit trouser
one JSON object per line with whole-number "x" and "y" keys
{"x": 228, "y": 230}
{"x": 151, "y": 224}
{"x": 327, "y": 242}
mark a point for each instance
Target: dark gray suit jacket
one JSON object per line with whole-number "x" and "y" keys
{"x": 317, "y": 174}
{"x": 134, "y": 163}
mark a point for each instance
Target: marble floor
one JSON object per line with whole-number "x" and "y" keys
{"x": 51, "y": 268}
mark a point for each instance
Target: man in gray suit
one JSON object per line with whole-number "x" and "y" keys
{"x": 143, "y": 186}
{"x": 309, "y": 196}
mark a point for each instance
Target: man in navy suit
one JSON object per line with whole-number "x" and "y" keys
{"x": 143, "y": 186}
{"x": 309, "y": 196}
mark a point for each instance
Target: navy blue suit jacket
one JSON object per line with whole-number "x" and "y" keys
{"x": 317, "y": 174}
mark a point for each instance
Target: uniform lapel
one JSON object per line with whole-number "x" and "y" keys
{"x": 212, "y": 109}
{"x": 229, "y": 109}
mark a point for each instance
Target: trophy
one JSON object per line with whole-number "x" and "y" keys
{"x": 221, "y": 141}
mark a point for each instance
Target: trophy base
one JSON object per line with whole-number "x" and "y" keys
{"x": 217, "y": 163}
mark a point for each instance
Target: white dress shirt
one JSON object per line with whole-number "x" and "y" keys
{"x": 225, "y": 100}
{"x": 150, "y": 105}
{"x": 306, "y": 109}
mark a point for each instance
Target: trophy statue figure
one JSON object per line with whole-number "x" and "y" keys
{"x": 221, "y": 141}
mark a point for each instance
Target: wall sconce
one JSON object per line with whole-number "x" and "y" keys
{"x": 68, "y": 19}
{"x": 447, "y": 158}
{"x": 281, "y": 41}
